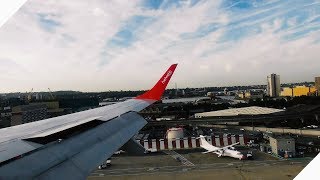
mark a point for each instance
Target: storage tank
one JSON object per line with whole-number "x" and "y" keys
{"x": 175, "y": 133}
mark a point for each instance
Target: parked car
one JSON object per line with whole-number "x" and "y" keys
{"x": 249, "y": 155}
{"x": 310, "y": 143}
{"x": 105, "y": 164}
{"x": 118, "y": 152}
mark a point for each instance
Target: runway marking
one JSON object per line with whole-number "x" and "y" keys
{"x": 179, "y": 157}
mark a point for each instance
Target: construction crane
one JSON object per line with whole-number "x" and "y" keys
{"x": 52, "y": 97}
{"x": 29, "y": 97}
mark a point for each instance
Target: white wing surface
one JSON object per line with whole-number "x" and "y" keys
{"x": 71, "y": 146}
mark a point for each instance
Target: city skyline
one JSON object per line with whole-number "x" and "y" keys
{"x": 114, "y": 45}
{"x": 283, "y": 85}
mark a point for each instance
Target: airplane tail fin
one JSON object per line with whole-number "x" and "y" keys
{"x": 203, "y": 141}
{"x": 156, "y": 92}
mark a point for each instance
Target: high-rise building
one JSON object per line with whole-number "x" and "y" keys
{"x": 273, "y": 86}
{"x": 317, "y": 84}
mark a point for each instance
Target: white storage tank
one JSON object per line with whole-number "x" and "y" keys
{"x": 175, "y": 133}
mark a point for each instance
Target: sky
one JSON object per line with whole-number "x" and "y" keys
{"x": 102, "y": 45}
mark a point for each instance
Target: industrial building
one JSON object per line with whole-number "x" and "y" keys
{"x": 298, "y": 91}
{"x": 175, "y": 133}
{"x": 250, "y": 94}
{"x": 273, "y": 86}
{"x": 5, "y": 116}
{"x": 253, "y": 110}
{"x": 53, "y": 108}
{"x": 185, "y": 100}
{"x": 317, "y": 84}
{"x": 283, "y": 146}
{"x": 28, "y": 113}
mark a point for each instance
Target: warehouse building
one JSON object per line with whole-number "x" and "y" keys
{"x": 317, "y": 84}
{"x": 253, "y": 110}
{"x": 175, "y": 133}
{"x": 298, "y": 91}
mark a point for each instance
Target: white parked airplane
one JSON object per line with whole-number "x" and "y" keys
{"x": 221, "y": 151}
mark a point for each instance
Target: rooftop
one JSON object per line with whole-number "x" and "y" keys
{"x": 282, "y": 137}
{"x": 184, "y": 100}
{"x": 253, "y": 110}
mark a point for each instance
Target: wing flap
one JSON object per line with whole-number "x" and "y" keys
{"x": 14, "y": 148}
{"x": 206, "y": 152}
{"x": 62, "y": 127}
{"x": 216, "y": 152}
{"x": 212, "y": 151}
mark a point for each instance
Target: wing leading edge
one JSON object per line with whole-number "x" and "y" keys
{"x": 102, "y": 117}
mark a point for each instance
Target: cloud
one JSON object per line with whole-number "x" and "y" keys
{"x": 112, "y": 45}
{"x": 47, "y": 22}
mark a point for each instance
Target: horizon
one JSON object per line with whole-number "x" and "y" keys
{"x": 304, "y": 82}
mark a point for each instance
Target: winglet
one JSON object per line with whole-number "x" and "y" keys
{"x": 156, "y": 92}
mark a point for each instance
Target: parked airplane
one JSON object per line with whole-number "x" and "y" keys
{"x": 221, "y": 151}
{"x": 71, "y": 146}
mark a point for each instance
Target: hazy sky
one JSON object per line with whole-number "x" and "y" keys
{"x": 100, "y": 45}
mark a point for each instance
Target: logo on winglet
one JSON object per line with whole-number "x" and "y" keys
{"x": 166, "y": 77}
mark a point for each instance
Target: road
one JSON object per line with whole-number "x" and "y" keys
{"x": 212, "y": 120}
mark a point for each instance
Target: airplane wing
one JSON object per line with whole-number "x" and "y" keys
{"x": 217, "y": 150}
{"x": 212, "y": 151}
{"x": 230, "y": 145}
{"x": 71, "y": 146}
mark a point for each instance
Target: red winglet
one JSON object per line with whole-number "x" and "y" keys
{"x": 156, "y": 92}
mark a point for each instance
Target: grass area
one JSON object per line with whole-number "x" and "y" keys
{"x": 260, "y": 156}
{"x": 152, "y": 160}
